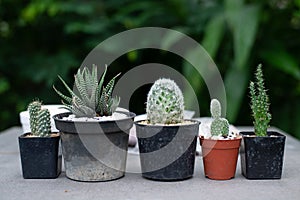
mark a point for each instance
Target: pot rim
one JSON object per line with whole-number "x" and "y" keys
{"x": 221, "y": 140}
{"x": 251, "y": 134}
{"x": 195, "y": 122}
{"x": 220, "y": 144}
{"x": 129, "y": 115}
{"x": 53, "y": 135}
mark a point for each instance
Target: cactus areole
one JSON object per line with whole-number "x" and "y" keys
{"x": 40, "y": 123}
{"x": 165, "y": 103}
{"x": 219, "y": 125}
{"x": 259, "y": 104}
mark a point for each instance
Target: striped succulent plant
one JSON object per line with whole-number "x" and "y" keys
{"x": 90, "y": 97}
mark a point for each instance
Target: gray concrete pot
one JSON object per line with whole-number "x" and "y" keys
{"x": 94, "y": 151}
{"x": 167, "y": 153}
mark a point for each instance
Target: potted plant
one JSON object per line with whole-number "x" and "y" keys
{"x": 262, "y": 150}
{"x": 220, "y": 147}
{"x": 39, "y": 148}
{"x": 94, "y": 133}
{"x": 167, "y": 142}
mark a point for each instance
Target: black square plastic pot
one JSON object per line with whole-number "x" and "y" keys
{"x": 262, "y": 157}
{"x": 39, "y": 157}
{"x": 167, "y": 153}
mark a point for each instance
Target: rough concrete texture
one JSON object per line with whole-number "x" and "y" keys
{"x": 133, "y": 186}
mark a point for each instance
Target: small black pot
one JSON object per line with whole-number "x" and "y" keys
{"x": 262, "y": 157}
{"x": 167, "y": 153}
{"x": 39, "y": 156}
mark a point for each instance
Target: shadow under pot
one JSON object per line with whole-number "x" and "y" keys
{"x": 262, "y": 157}
{"x": 40, "y": 157}
{"x": 94, "y": 150}
{"x": 167, "y": 152}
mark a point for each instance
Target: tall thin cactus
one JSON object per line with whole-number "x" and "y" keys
{"x": 259, "y": 104}
{"x": 33, "y": 109}
{"x": 40, "y": 123}
{"x": 43, "y": 123}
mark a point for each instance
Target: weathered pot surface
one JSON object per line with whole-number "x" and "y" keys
{"x": 94, "y": 151}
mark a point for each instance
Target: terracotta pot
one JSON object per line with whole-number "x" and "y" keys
{"x": 220, "y": 158}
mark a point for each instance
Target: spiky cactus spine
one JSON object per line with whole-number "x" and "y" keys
{"x": 43, "y": 123}
{"x": 165, "y": 103}
{"x": 259, "y": 104}
{"x": 33, "y": 108}
{"x": 40, "y": 123}
{"x": 219, "y": 125}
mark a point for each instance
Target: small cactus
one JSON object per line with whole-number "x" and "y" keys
{"x": 40, "y": 123}
{"x": 33, "y": 108}
{"x": 215, "y": 108}
{"x": 219, "y": 125}
{"x": 43, "y": 123}
{"x": 260, "y": 104}
{"x": 165, "y": 103}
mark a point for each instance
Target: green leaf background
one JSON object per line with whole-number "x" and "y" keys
{"x": 42, "y": 39}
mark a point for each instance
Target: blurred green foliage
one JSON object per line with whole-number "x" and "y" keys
{"x": 41, "y": 39}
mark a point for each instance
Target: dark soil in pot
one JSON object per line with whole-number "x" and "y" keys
{"x": 262, "y": 157}
{"x": 167, "y": 153}
{"x": 39, "y": 156}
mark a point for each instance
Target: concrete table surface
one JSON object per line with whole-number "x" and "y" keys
{"x": 133, "y": 186}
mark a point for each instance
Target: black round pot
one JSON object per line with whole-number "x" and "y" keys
{"x": 39, "y": 156}
{"x": 262, "y": 157}
{"x": 167, "y": 152}
{"x": 94, "y": 151}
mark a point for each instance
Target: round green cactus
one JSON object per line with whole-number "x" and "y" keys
{"x": 219, "y": 126}
{"x": 165, "y": 103}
